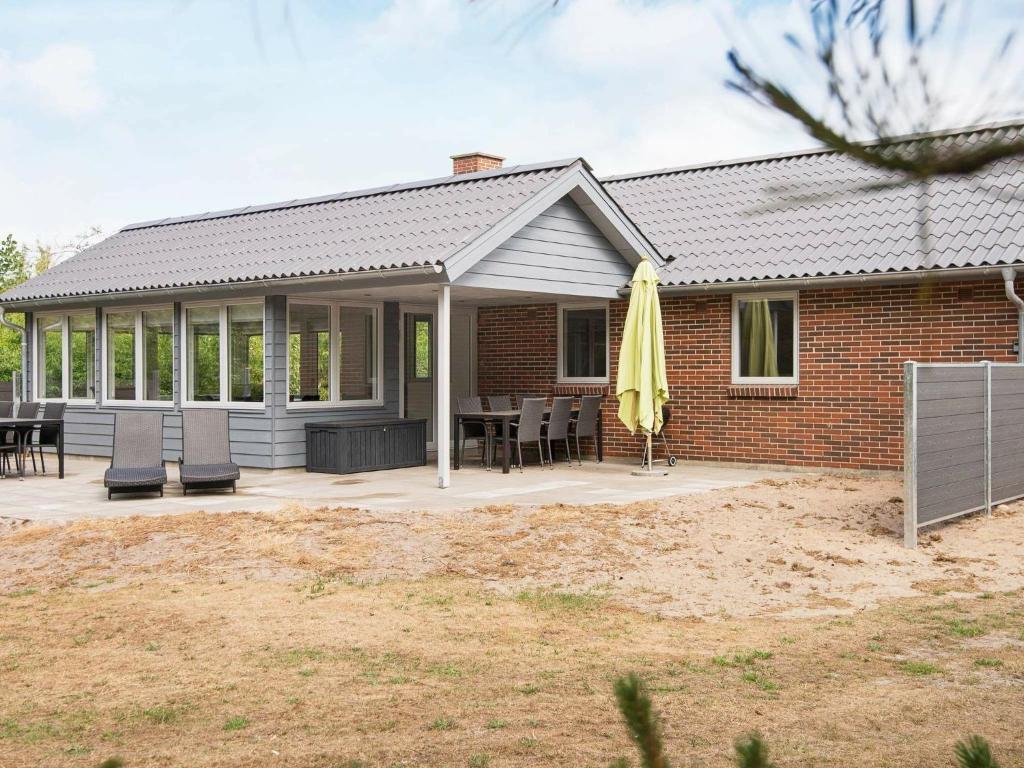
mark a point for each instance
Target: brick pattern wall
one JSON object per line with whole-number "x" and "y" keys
{"x": 473, "y": 163}
{"x": 847, "y": 411}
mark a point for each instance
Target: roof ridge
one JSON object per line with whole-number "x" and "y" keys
{"x": 439, "y": 181}
{"x": 811, "y": 152}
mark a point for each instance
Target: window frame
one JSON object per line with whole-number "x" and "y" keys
{"x": 224, "y": 370}
{"x": 782, "y": 381}
{"x": 65, "y": 351}
{"x": 140, "y": 349}
{"x": 561, "y": 308}
{"x": 334, "y": 375}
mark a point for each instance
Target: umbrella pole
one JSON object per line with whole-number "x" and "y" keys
{"x": 650, "y": 453}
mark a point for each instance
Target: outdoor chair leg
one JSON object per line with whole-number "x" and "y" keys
{"x": 519, "y": 447}
{"x": 42, "y": 459}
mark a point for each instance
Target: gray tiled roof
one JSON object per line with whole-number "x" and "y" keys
{"x": 799, "y": 215}
{"x": 416, "y": 224}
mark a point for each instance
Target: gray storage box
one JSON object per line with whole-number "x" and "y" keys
{"x": 341, "y": 447}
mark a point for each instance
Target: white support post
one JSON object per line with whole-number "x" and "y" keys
{"x": 444, "y": 358}
{"x": 910, "y": 455}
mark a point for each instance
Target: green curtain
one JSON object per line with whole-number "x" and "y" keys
{"x": 759, "y": 340}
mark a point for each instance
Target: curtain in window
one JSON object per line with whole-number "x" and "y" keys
{"x": 759, "y": 340}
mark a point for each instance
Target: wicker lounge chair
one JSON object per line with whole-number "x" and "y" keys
{"x": 137, "y": 463}
{"x": 206, "y": 462}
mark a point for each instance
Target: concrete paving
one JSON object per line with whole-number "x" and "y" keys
{"x": 81, "y": 495}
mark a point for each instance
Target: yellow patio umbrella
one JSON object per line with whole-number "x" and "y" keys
{"x": 642, "y": 385}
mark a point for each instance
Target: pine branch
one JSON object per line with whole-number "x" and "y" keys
{"x": 641, "y": 722}
{"x": 974, "y": 753}
{"x": 752, "y": 753}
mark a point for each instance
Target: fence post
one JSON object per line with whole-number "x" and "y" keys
{"x": 910, "y": 454}
{"x": 988, "y": 436}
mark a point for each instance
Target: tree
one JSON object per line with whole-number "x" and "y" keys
{"x": 877, "y": 64}
{"x": 13, "y": 271}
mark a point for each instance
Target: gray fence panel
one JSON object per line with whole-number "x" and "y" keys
{"x": 1007, "y": 432}
{"x": 950, "y": 408}
{"x": 964, "y": 440}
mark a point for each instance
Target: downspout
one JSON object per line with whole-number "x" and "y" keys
{"x": 19, "y": 395}
{"x": 1009, "y": 273}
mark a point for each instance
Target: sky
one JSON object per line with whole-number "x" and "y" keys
{"x": 116, "y": 111}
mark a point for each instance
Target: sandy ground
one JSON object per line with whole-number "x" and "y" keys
{"x": 805, "y": 546}
{"x": 342, "y": 639}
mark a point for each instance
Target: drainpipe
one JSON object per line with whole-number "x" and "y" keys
{"x": 24, "y": 351}
{"x": 1009, "y": 273}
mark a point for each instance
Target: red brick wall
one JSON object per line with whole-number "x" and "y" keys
{"x": 847, "y": 411}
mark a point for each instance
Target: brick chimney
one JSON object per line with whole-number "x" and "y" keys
{"x": 471, "y": 162}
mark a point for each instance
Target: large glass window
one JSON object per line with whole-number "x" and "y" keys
{"x": 158, "y": 354}
{"x": 224, "y": 353}
{"x": 82, "y": 345}
{"x": 333, "y": 355}
{"x": 764, "y": 333}
{"x": 357, "y": 353}
{"x": 583, "y": 344}
{"x": 120, "y": 345}
{"x": 309, "y": 353}
{"x": 245, "y": 352}
{"x": 66, "y": 356}
{"x": 202, "y": 338}
{"x": 50, "y": 329}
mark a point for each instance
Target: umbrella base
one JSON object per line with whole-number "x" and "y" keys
{"x": 649, "y": 472}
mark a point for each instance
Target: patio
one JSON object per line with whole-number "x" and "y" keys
{"x": 81, "y": 495}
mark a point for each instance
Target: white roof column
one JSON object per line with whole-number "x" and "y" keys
{"x": 444, "y": 384}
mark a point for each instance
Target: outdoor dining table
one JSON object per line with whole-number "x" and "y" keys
{"x": 505, "y": 418}
{"x": 12, "y": 423}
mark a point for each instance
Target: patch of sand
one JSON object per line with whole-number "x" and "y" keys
{"x": 805, "y": 546}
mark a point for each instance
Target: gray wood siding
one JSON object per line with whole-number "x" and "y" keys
{"x": 289, "y": 436}
{"x": 561, "y": 251}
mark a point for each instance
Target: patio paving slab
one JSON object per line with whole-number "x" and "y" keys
{"x": 81, "y": 494}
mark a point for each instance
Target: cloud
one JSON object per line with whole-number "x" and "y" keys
{"x": 414, "y": 23}
{"x": 61, "y": 79}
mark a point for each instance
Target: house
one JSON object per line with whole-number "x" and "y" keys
{"x": 495, "y": 280}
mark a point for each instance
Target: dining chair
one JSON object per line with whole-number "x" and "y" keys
{"x": 47, "y": 434}
{"x": 499, "y": 403}
{"x": 557, "y": 427}
{"x": 585, "y": 423}
{"x": 27, "y": 410}
{"x": 528, "y": 428}
{"x": 474, "y": 429}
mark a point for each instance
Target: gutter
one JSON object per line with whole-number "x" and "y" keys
{"x": 24, "y": 350}
{"x": 1009, "y": 275}
{"x": 840, "y": 281}
{"x": 342, "y": 280}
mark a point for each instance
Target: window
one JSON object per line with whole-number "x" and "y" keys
{"x": 309, "y": 353}
{"x": 158, "y": 354}
{"x": 224, "y": 353}
{"x": 333, "y": 353}
{"x": 245, "y": 352}
{"x": 83, "y": 356}
{"x": 418, "y": 355}
{"x": 765, "y": 339}
{"x": 121, "y": 356}
{"x": 66, "y": 356}
{"x": 583, "y": 344}
{"x": 139, "y": 355}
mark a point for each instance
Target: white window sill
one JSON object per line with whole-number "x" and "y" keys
{"x": 593, "y": 380}
{"x": 766, "y": 381}
{"x": 138, "y": 404}
{"x": 331, "y": 405}
{"x": 227, "y": 405}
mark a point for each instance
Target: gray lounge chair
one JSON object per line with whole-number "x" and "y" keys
{"x": 206, "y": 462}
{"x": 137, "y": 465}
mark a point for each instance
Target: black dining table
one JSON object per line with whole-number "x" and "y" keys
{"x": 506, "y": 418}
{"x": 13, "y": 425}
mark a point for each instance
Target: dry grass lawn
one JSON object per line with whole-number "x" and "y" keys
{"x": 339, "y": 638}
